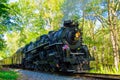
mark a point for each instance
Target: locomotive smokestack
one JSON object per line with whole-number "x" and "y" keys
{"x": 70, "y": 23}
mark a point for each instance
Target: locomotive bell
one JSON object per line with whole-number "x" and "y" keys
{"x": 70, "y": 23}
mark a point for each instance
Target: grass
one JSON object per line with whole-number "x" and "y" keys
{"x": 105, "y": 70}
{"x": 8, "y": 75}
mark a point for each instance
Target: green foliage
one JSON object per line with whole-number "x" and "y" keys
{"x": 1, "y": 67}
{"x": 8, "y": 75}
{"x": 12, "y": 43}
{"x": 3, "y": 14}
{"x": 2, "y": 29}
{"x": 52, "y": 13}
{"x": 96, "y": 7}
{"x": 2, "y": 43}
{"x": 3, "y": 8}
{"x": 105, "y": 70}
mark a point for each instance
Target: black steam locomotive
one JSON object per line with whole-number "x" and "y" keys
{"x": 61, "y": 50}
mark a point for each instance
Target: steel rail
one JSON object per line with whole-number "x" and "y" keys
{"x": 99, "y": 76}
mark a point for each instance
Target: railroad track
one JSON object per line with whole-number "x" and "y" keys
{"x": 98, "y": 76}
{"x": 92, "y": 75}
{"x": 88, "y": 76}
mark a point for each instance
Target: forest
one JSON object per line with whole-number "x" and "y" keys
{"x": 22, "y": 21}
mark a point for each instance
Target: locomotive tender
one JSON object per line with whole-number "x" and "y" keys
{"x": 61, "y": 50}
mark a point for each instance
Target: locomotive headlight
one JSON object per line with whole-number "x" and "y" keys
{"x": 77, "y": 35}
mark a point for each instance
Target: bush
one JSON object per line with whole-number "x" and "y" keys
{"x": 8, "y": 75}
{"x": 1, "y": 67}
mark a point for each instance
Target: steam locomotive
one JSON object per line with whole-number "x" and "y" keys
{"x": 61, "y": 50}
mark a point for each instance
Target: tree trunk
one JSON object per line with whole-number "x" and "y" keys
{"x": 112, "y": 19}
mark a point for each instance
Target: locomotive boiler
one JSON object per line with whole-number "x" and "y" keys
{"x": 61, "y": 50}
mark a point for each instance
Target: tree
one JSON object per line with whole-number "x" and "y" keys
{"x": 108, "y": 18}
{"x": 113, "y": 6}
{"x": 52, "y": 13}
{"x": 3, "y": 15}
{"x": 28, "y": 20}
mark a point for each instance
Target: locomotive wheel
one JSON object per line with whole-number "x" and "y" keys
{"x": 36, "y": 67}
{"x": 52, "y": 69}
{"x": 46, "y": 68}
{"x": 63, "y": 68}
{"x": 85, "y": 50}
{"x": 41, "y": 68}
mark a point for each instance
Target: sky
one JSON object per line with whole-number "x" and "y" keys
{"x": 10, "y": 1}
